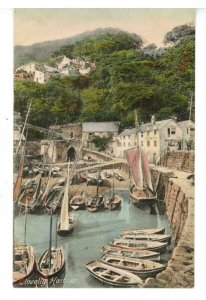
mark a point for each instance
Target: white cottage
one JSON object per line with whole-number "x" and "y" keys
{"x": 154, "y": 137}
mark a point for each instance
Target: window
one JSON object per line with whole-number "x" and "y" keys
{"x": 71, "y": 134}
{"x": 148, "y": 143}
{"x": 155, "y": 131}
{"x": 142, "y": 134}
{"x": 129, "y": 144}
{"x": 155, "y": 143}
{"x": 187, "y": 131}
{"x": 168, "y": 132}
{"x": 142, "y": 144}
{"x": 124, "y": 144}
{"x": 147, "y": 132}
{"x": 173, "y": 130}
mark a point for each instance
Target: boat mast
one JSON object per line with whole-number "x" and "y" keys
{"x": 50, "y": 240}
{"x": 25, "y": 224}
{"x": 137, "y": 129}
{"x": 113, "y": 184}
{"x": 56, "y": 230}
{"x": 22, "y": 132}
{"x": 97, "y": 192}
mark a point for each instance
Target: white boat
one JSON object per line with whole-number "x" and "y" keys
{"x": 143, "y": 254}
{"x": 143, "y": 231}
{"x": 112, "y": 275}
{"x": 23, "y": 262}
{"x": 142, "y": 268}
{"x": 148, "y": 237}
{"x": 140, "y": 245}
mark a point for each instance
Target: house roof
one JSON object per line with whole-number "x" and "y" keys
{"x": 186, "y": 123}
{"x": 127, "y": 132}
{"x": 144, "y": 127}
{"x": 100, "y": 126}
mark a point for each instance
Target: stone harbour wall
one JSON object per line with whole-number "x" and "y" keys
{"x": 180, "y": 160}
{"x": 179, "y": 203}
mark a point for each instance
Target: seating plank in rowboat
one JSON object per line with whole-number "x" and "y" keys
{"x": 141, "y": 244}
{"x": 112, "y": 275}
{"x": 144, "y": 231}
{"x": 23, "y": 262}
{"x": 149, "y": 237}
{"x": 142, "y": 268}
{"x": 143, "y": 254}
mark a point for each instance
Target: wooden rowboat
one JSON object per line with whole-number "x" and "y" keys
{"x": 23, "y": 262}
{"x": 142, "y": 268}
{"x": 50, "y": 265}
{"x": 143, "y": 254}
{"x": 112, "y": 275}
{"x": 144, "y": 231}
{"x": 149, "y": 237}
{"x": 112, "y": 202}
{"x": 77, "y": 202}
{"x": 140, "y": 245}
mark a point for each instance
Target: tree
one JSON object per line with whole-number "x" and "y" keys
{"x": 178, "y": 32}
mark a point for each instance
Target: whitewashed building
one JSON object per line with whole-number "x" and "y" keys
{"x": 154, "y": 137}
{"x": 188, "y": 134}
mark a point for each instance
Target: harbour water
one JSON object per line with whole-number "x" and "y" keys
{"x": 92, "y": 231}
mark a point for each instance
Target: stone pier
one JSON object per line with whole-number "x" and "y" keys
{"x": 179, "y": 202}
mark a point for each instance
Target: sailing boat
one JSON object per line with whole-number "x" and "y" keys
{"x": 95, "y": 202}
{"x": 142, "y": 192}
{"x": 67, "y": 221}
{"x": 113, "y": 200}
{"x": 52, "y": 260}
{"x": 23, "y": 259}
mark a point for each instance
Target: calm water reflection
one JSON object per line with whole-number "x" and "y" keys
{"x": 92, "y": 231}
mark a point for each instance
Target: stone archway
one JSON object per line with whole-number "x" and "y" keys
{"x": 71, "y": 154}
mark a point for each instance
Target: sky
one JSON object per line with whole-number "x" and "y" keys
{"x": 32, "y": 25}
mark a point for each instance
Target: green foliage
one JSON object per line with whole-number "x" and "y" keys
{"x": 125, "y": 79}
{"x": 101, "y": 142}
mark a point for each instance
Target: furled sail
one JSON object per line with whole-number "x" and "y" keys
{"x": 64, "y": 219}
{"x": 146, "y": 170}
{"x": 139, "y": 167}
{"x": 134, "y": 161}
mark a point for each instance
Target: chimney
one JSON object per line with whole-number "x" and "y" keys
{"x": 152, "y": 120}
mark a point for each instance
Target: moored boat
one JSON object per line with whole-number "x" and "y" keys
{"x": 67, "y": 220}
{"x": 78, "y": 202}
{"x": 112, "y": 202}
{"x": 112, "y": 275}
{"x": 140, "y": 244}
{"x": 142, "y": 268}
{"x": 148, "y": 237}
{"x": 23, "y": 262}
{"x": 143, "y": 254}
{"x": 144, "y": 231}
{"x": 51, "y": 262}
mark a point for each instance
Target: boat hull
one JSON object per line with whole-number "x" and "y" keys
{"x": 60, "y": 264}
{"x": 141, "y": 245}
{"x": 144, "y": 231}
{"x": 148, "y": 237}
{"x": 112, "y": 275}
{"x": 142, "y": 268}
{"x": 28, "y": 251}
{"x": 141, "y": 254}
